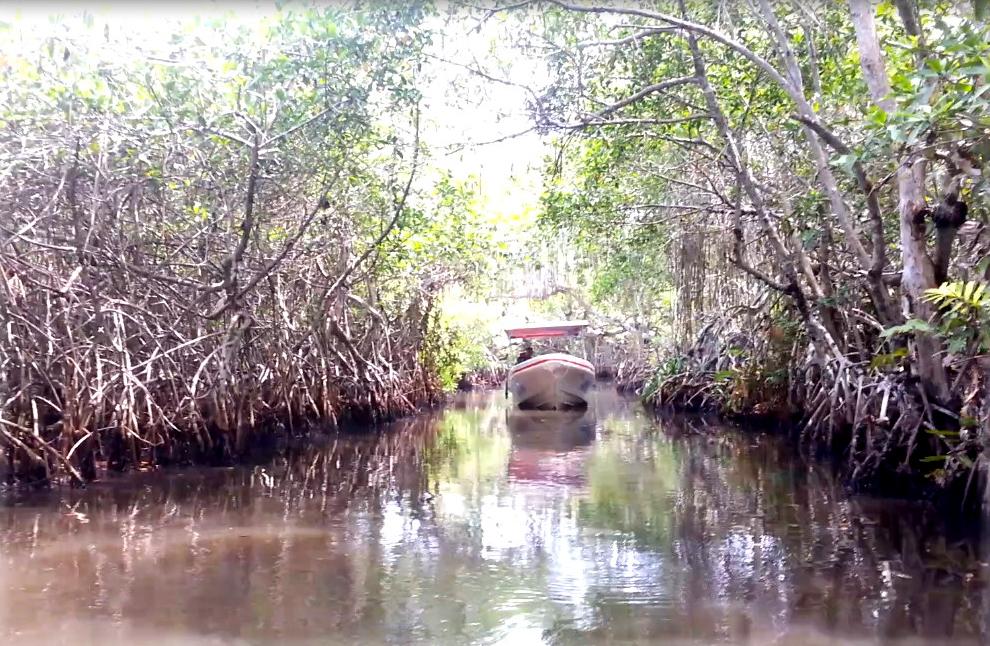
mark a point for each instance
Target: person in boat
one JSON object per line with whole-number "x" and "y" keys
{"x": 526, "y": 353}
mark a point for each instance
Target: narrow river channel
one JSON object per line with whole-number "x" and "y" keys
{"x": 468, "y": 525}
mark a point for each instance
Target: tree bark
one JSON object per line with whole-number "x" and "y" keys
{"x": 918, "y": 273}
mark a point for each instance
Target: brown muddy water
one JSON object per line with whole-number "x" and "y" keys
{"x": 466, "y": 526}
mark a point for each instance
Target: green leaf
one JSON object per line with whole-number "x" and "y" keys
{"x": 908, "y": 327}
{"x": 877, "y": 116}
{"x": 974, "y": 70}
{"x": 846, "y": 162}
{"x": 810, "y": 238}
{"x": 968, "y": 290}
{"x": 941, "y": 433}
{"x": 957, "y": 345}
{"x": 888, "y": 359}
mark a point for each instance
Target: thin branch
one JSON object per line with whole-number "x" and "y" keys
{"x": 303, "y": 227}
{"x": 485, "y": 75}
{"x": 646, "y": 91}
{"x": 231, "y": 263}
{"x": 646, "y": 33}
{"x": 453, "y": 149}
{"x": 631, "y": 122}
{"x": 298, "y": 126}
{"x": 715, "y": 35}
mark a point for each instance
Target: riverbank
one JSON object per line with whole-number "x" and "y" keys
{"x": 85, "y": 439}
{"x": 883, "y": 436}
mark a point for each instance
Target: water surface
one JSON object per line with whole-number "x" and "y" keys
{"x": 470, "y": 525}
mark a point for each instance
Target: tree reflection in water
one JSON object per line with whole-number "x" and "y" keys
{"x": 477, "y": 524}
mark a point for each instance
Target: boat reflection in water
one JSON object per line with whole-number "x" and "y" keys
{"x": 550, "y": 447}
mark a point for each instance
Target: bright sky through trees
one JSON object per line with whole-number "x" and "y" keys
{"x": 476, "y": 127}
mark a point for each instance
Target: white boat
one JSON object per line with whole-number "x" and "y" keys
{"x": 553, "y": 381}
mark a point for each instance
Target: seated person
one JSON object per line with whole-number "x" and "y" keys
{"x": 526, "y": 354}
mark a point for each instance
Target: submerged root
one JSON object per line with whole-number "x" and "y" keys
{"x": 884, "y": 431}
{"x": 99, "y": 382}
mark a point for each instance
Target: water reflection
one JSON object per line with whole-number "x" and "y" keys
{"x": 550, "y": 447}
{"x": 482, "y": 525}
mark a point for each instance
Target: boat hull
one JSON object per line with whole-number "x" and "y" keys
{"x": 555, "y": 381}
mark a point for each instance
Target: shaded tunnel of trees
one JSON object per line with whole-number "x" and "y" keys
{"x": 769, "y": 208}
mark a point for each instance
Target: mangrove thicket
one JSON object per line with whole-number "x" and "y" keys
{"x": 770, "y": 208}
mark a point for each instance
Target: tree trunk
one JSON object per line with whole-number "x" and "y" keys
{"x": 871, "y": 262}
{"x": 918, "y": 273}
{"x": 824, "y": 344}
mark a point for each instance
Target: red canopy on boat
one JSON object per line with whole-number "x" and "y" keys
{"x": 546, "y": 330}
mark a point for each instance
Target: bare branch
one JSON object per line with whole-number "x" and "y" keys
{"x": 642, "y": 35}
{"x": 646, "y": 91}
